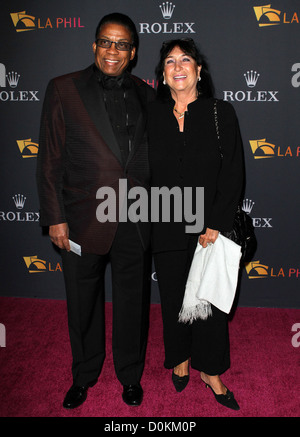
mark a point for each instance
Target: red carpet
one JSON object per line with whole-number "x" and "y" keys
{"x": 35, "y": 368}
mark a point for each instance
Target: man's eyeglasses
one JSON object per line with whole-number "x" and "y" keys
{"x": 119, "y": 45}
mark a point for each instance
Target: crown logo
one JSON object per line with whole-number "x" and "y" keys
{"x": 247, "y": 205}
{"x": 13, "y": 79}
{"x": 167, "y": 10}
{"x": 251, "y": 78}
{"x": 19, "y": 200}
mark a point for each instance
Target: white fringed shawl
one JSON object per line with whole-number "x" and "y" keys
{"x": 212, "y": 280}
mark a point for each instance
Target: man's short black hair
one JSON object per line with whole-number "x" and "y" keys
{"x": 123, "y": 20}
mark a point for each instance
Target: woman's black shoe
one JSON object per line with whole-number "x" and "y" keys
{"x": 180, "y": 382}
{"x": 226, "y": 400}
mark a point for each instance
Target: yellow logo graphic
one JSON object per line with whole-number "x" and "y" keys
{"x": 27, "y": 148}
{"x": 34, "y": 264}
{"x": 256, "y": 270}
{"x": 22, "y": 21}
{"x": 266, "y": 16}
{"x": 37, "y": 265}
{"x": 261, "y": 149}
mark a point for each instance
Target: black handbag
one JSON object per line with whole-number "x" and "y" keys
{"x": 242, "y": 232}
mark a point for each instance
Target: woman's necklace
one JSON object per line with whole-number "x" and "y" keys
{"x": 181, "y": 114}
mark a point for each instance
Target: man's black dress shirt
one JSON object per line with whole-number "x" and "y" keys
{"x": 123, "y": 108}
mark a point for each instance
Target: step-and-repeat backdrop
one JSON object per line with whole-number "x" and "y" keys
{"x": 253, "y": 52}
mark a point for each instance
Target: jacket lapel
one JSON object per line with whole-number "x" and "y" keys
{"x": 92, "y": 96}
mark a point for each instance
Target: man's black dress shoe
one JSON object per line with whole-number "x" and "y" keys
{"x": 132, "y": 395}
{"x": 76, "y": 395}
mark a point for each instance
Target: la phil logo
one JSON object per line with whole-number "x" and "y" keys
{"x": 251, "y": 77}
{"x": 167, "y": 10}
{"x": 268, "y": 16}
{"x": 10, "y": 80}
{"x": 257, "y": 270}
{"x": 37, "y": 265}
{"x": 24, "y": 22}
{"x": 261, "y": 149}
{"x": 28, "y": 148}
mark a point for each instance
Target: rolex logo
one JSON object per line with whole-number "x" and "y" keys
{"x": 20, "y": 215}
{"x": 258, "y": 222}
{"x": 251, "y": 78}
{"x": 247, "y": 205}
{"x": 167, "y": 10}
{"x": 13, "y": 79}
{"x": 19, "y": 200}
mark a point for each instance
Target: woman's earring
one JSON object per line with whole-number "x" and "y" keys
{"x": 199, "y": 78}
{"x": 164, "y": 82}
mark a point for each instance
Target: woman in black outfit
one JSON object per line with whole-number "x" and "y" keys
{"x": 184, "y": 152}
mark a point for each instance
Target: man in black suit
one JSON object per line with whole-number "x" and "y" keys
{"x": 92, "y": 136}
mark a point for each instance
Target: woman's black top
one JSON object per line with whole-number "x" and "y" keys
{"x": 193, "y": 159}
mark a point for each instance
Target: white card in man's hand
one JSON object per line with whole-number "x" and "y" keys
{"x": 74, "y": 247}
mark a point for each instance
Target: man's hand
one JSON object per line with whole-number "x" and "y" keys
{"x": 59, "y": 235}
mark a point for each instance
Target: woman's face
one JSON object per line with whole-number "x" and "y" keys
{"x": 181, "y": 71}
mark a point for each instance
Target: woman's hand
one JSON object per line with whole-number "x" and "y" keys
{"x": 209, "y": 237}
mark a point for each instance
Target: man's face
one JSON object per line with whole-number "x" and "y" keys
{"x": 110, "y": 60}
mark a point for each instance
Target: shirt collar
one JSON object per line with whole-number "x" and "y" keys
{"x": 110, "y": 82}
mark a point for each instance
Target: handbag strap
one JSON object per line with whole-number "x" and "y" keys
{"x": 239, "y": 208}
{"x": 217, "y": 127}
